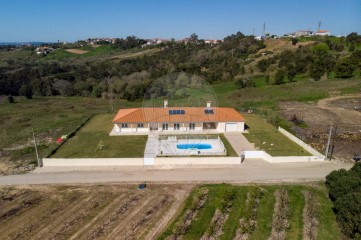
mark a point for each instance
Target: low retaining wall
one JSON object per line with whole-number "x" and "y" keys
{"x": 284, "y": 159}
{"x": 81, "y": 162}
{"x": 169, "y": 161}
{"x": 295, "y": 139}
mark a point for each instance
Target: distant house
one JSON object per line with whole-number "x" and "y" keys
{"x": 178, "y": 119}
{"x": 303, "y": 33}
{"x": 212, "y": 41}
{"x": 322, "y": 33}
{"x": 155, "y": 41}
{"x": 44, "y": 50}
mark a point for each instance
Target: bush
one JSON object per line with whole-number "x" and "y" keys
{"x": 348, "y": 212}
{"x": 345, "y": 190}
{"x": 10, "y": 99}
{"x": 345, "y": 68}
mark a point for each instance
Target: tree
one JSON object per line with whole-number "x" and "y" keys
{"x": 280, "y": 76}
{"x": 64, "y": 88}
{"x": 352, "y": 37}
{"x": 316, "y": 71}
{"x": 26, "y": 91}
{"x": 263, "y": 65}
{"x": 344, "y": 68}
{"x": 294, "y": 41}
{"x": 348, "y": 212}
{"x": 10, "y": 98}
{"x": 291, "y": 72}
{"x": 194, "y": 37}
{"x": 244, "y": 81}
{"x": 351, "y": 48}
{"x": 321, "y": 48}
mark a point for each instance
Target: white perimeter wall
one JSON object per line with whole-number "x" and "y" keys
{"x": 57, "y": 162}
{"x": 284, "y": 159}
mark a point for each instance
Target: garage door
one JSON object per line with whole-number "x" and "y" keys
{"x": 231, "y": 127}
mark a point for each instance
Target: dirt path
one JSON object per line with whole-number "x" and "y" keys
{"x": 180, "y": 196}
{"x": 347, "y": 116}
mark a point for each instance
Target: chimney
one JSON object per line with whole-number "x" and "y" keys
{"x": 165, "y": 103}
{"x": 209, "y": 104}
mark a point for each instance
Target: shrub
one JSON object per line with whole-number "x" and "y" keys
{"x": 348, "y": 212}
{"x": 345, "y": 190}
{"x": 10, "y": 99}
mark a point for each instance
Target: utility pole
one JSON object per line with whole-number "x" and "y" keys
{"x": 328, "y": 142}
{"x": 36, "y": 149}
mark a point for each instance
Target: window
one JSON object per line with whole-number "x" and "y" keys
{"x": 124, "y": 125}
{"x": 192, "y": 126}
{"x": 165, "y": 126}
{"x": 140, "y": 125}
{"x": 176, "y": 126}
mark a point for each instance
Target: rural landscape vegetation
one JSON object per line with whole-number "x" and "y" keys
{"x": 308, "y": 85}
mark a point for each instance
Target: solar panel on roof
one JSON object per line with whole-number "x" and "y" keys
{"x": 178, "y": 111}
{"x": 208, "y": 111}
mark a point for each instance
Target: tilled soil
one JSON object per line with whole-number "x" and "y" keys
{"x": 88, "y": 212}
{"x": 342, "y": 112}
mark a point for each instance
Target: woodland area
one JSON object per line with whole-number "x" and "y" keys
{"x": 236, "y": 59}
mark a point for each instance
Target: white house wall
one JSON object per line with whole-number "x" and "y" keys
{"x": 221, "y": 127}
{"x": 133, "y": 127}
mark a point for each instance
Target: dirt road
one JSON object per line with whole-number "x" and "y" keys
{"x": 248, "y": 171}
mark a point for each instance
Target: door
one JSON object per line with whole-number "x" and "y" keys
{"x": 231, "y": 127}
{"x": 153, "y": 126}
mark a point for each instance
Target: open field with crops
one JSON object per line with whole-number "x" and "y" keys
{"x": 167, "y": 212}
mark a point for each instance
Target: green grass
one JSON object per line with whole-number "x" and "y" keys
{"x": 50, "y": 117}
{"x": 297, "y": 203}
{"x": 264, "y": 215}
{"x": 266, "y": 137}
{"x": 327, "y": 228}
{"x": 87, "y": 139}
{"x": 230, "y": 226}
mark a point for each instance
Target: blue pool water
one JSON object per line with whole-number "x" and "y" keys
{"x": 194, "y": 145}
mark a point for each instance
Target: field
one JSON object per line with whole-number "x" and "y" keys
{"x": 88, "y": 212}
{"x": 50, "y": 117}
{"x": 255, "y": 212}
{"x": 76, "y": 51}
{"x": 318, "y": 118}
{"x": 86, "y": 141}
{"x": 167, "y": 212}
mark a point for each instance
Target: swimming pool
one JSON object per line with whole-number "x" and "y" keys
{"x": 194, "y": 146}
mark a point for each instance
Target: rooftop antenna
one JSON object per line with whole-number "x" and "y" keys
{"x": 319, "y": 25}
{"x": 264, "y": 29}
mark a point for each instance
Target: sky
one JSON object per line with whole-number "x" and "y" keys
{"x": 70, "y": 20}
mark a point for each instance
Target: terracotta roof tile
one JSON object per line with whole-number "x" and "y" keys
{"x": 192, "y": 114}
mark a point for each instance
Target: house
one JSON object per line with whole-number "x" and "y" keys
{"x": 178, "y": 119}
{"x": 322, "y": 33}
{"x": 301, "y": 33}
